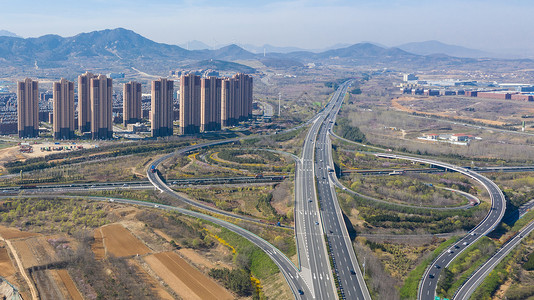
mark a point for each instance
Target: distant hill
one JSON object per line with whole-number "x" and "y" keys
{"x": 220, "y": 65}
{"x": 121, "y": 49}
{"x": 8, "y": 33}
{"x": 269, "y": 49}
{"x": 230, "y": 52}
{"x": 436, "y": 47}
{"x": 195, "y": 45}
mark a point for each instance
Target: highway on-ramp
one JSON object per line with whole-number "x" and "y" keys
{"x": 469, "y": 287}
{"x": 427, "y": 287}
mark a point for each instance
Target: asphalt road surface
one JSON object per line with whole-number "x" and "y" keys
{"x": 351, "y": 282}
{"x": 469, "y": 287}
{"x": 427, "y": 288}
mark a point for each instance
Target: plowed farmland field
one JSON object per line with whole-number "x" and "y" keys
{"x": 63, "y": 277}
{"x": 119, "y": 241}
{"x": 98, "y": 245}
{"x": 6, "y": 267}
{"x": 12, "y": 233}
{"x": 185, "y": 280}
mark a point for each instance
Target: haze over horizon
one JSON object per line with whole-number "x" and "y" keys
{"x": 311, "y": 24}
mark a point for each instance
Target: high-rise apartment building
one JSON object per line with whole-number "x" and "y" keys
{"x": 243, "y": 96}
{"x": 228, "y": 103}
{"x": 190, "y": 104}
{"x": 161, "y": 112}
{"x": 236, "y": 99}
{"x": 28, "y": 108}
{"x": 210, "y": 104}
{"x": 63, "y": 108}
{"x": 131, "y": 105}
{"x": 84, "y": 102}
{"x": 101, "y": 92}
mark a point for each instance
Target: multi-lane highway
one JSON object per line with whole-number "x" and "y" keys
{"x": 469, "y": 287}
{"x": 351, "y": 281}
{"x": 305, "y": 284}
{"x": 427, "y": 288}
{"x": 313, "y": 256}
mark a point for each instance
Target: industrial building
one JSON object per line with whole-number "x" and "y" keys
{"x": 495, "y": 95}
{"x": 28, "y": 108}
{"x": 131, "y": 105}
{"x": 161, "y": 113}
{"x": 190, "y": 90}
{"x": 409, "y": 77}
{"x": 101, "y": 91}
{"x": 63, "y": 109}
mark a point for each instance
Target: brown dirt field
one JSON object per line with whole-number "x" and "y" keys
{"x": 70, "y": 289}
{"x": 157, "y": 289}
{"x": 35, "y": 251}
{"x": 118, "y": 241}
{"x": 196, "y": 258}
{"x": 13, "y": 233}
{"x": 6, "y": 266}
{"x": 9, "y": 154}
{"x": 46, "y": 285}
{"x": 185, "y": 280}
{"x": 396, "y": 104}
{"x": 163, "y": 235}
{"x": 98, "y": 245}
{"x": 25, "y": 253}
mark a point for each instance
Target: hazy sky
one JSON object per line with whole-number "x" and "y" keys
{"x": 494, "y": 25}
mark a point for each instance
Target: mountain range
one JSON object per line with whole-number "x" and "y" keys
{"x": 118, "y": 49}
{"x": 437, "y": 47}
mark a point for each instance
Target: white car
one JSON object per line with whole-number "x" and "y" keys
{"x": 156, "y": 206}
{"x": 111, "y": 200}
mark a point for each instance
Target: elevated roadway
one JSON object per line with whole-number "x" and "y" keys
{"x": 427, "y": 287}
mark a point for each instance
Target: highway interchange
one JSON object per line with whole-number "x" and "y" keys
{"x": 427, "y": 287}
{"x": 318, "y": 215}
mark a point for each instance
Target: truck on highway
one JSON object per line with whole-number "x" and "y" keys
{"x": 153, "y": 169}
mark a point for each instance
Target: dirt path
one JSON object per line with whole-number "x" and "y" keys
{"x": 185, "y": 280}
{"x": 23, "y": 272}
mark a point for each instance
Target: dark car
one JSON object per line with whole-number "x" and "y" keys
{"x": 301, "y": 292}
{"x": 430, "y": 275}
{"x": 352, "y": 272}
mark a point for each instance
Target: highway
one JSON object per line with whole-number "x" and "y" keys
{"x": 297, "y": 283}
{"x": 351, "y": 281}
{"x": 427, "y": 287}
{"x": 469, "y": 287}
{"x": 300, "y": 282}
{"x": 288, "y": 269}
{"x": 470, "y": 198}
{"x": 313, "y": 255}
{"x": 144, "y": 184}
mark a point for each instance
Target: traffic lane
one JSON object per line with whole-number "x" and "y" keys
{"x": 476, "y": 279}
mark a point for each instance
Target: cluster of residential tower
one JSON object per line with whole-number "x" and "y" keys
{"x": 205, "y": 104}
